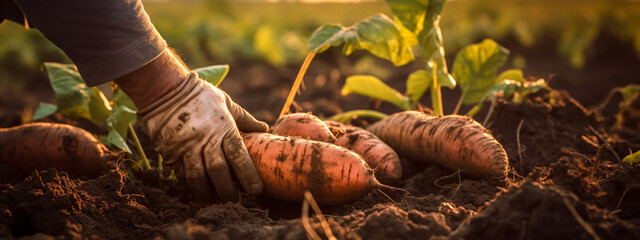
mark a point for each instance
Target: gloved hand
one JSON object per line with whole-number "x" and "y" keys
{"x": 194, "y": 128}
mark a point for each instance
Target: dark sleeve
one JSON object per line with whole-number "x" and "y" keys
{"x": 106, "y": 39}
{"x": 9, "y": 11}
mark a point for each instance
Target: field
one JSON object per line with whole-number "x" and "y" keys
{"x": 566, "y": 178}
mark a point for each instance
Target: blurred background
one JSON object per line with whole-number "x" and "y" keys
{"x": 585, "y": 47}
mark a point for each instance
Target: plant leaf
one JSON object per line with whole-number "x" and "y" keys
{"x": 377, "y": 34}
{"x": 418, "y": 83}
{"x": 632, "y": 158}
{"x": 475, "y": 69}
{"x": 421, "y": 17}
{"x": 511, "y": 74}
{"x": 123, "y": 114}
{"x": 347, "y": 116}
{"x": 73, "y": 98}
{"x": 629, "y": 93}
{"x": 504, "y": 89}
{"x": 410, "y": 13}
{"x": 213, "y": 74}
{"x": 44, "y": 110}
{"x": 373, "y": 87}
{"x": 114, "y": 138}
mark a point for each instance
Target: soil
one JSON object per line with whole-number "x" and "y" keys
{"x": 559, "y": 187}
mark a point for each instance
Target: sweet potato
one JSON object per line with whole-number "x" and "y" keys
{"x": 288, "y": 166}
{"x": 303, "y": 125}
{"x": 41, "y": 146}
{"x": 382, "y": 158}
{"x": 456, "y": 142}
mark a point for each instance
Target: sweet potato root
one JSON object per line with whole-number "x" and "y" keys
{"x": 382, "y": 158}
{"x": 288, "y": 166}
{"x": 41, "y": 146}
{"x": 456, "y": 142}
{"x": 303, "y": 125}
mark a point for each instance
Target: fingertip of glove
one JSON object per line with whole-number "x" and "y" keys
{"x": 254, "y": 188}
{"x": 253, "y": 126}
{"x": 263, "y": 126}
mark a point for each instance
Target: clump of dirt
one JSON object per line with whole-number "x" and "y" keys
{"x": 50, "y": 202}
{"x": 539, "y": 211}
{"x": 553, "y": 124}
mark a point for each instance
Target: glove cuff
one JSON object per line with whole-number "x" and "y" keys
{"x": 183, "y": 89}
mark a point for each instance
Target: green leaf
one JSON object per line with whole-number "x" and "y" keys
{"x": 114, "y": 138}
{"x": 73, "y": 98}
{"x": 511, "y": 74}
{"x": 373, "y": 87}
{"x": 418, "y": 83}
{"x": 377, "y": 34}
{"x": 408, "y": 35}
{"x": 504, "y": 89}
{"x": 422, "y": 17}
{"x": 629, "y": 94}
{"x": 213, "y": 74}
{"x": 411, "y": 13}
{"x": 346, "y": 117}
{"x": 123, "y": 113}
{"x": 44, "y": 110}
{"x": 529, "y": 87}
{"x": 475, "y": 69}
{"x": 632, "y": 158}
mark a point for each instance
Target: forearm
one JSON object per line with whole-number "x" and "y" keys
{"x": 155, "y": 79}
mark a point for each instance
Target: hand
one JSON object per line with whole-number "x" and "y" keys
{"x": 195, "y": 128}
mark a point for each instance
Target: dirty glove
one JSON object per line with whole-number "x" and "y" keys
{"x": 194, "y": 128}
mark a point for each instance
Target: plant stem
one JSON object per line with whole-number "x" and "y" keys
{"x": 346, "y": 116}
{"x": 144, "y": 162}
{"x": 436, "y": 95}
{"x": 296, "y": 84}
{"x": 474, "y": 110}
{"x": 459, "y": 104}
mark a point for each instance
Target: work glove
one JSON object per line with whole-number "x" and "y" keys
{"x": 195, "y": 128}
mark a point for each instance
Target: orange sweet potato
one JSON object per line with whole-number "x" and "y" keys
{"x": 40, "y": 146}
{"x": 303, "y": 125}
{"x": 456, "y": 142}
{"x": 382, "y": 158}
{"x": 290, "y": 166}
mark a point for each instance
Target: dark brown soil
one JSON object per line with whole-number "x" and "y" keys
{"x": 557, "y": 187}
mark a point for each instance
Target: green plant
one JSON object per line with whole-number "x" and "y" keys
{"x": 74, "y": 99}
{"x": 416, "y": 25}
{"x": 629, "y": 94}
{"x": 632, "y": 158}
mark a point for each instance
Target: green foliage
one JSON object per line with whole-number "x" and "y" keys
{"x": 73, "y": 98}
{"x": 578, "y": 37}
{"x": 422, "y": 19}
{"x": 416, "y": 23}
{"x": 418, "y": 83}
{"x": 373, "y": 87}
{"x": 511, "y": 74}
{"x": 44, "y": 110}
{"x": 629, "y": 94}
{"x": 377, "y": 34}
{"x": 213, "y": 74}
{"x": 123, "y": 114}
{"x": 632, "y": 158}
{"x": 516, "y": 89}
{"x": 276, "y": 45}
{"x": 475, "y": 69}
{"x": 347, "y": 116}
